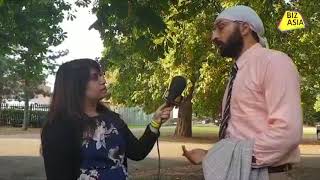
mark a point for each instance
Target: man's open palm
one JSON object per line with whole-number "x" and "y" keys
{"x": 195, "y": 156}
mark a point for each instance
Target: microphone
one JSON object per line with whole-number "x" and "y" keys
{"x": 173, "y": 95}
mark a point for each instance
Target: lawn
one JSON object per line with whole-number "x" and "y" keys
{"x": 209, "y": 133}
{"x": 197, "y": 130}
{"x": 20, "y": 149}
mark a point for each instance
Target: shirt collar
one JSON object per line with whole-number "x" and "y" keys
{"x": 241, "y": 61}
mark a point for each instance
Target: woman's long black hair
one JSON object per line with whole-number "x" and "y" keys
{"x": 69, "y": 90}
{"x": 67, "y": 104}
{"x": 67, "y": 123}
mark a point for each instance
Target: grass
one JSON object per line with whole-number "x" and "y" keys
{"x": 310, "y": 134}
{"x": 210, "y": 133}
{"x": 198, "y": 131}
{"x": 309, "y": 130}
{"x": 136, "y": 126}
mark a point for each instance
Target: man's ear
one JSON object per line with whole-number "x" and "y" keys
{"x": 245, "y": 29}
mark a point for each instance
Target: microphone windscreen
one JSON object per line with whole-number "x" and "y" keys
{"x": 177, "y": 86}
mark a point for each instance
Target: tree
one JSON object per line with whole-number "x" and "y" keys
{"x": 302, "y": 45}
{"x": 147, "y": 43}
{"x": 7, "y": 79}
{"x": 191, "y": 54}
{"x": 30, "y": 29}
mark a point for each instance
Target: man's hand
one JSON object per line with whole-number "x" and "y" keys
{"x": 195, "y": 156}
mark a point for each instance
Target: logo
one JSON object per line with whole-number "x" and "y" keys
{"x": 291, "y": 20}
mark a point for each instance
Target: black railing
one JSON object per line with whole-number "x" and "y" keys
{"x": 12, "y": 115}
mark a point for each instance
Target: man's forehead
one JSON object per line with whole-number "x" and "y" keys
{"x": 220, "y": 20}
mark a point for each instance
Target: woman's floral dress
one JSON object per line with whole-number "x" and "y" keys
{"x": 103, "y": 153}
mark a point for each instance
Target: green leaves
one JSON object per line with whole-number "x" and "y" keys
{"x": 317, "y": 104}
{"x": 28, "y": 29}
{"x": 154, "y": 43}
{"x": 148, "y": 42}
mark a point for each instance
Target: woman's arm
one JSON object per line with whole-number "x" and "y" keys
{"x": 138, "y": 149}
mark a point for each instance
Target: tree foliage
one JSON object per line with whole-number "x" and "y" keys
{"x": 29, "y": 29}
{"x": 147, "y": 43}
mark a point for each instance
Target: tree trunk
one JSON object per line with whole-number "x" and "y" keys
{"x": 184, "y": 124}
{"x": 26, "y": 107}
{"x": 1, "y": 98}
{"x": 26, "y": 114}
{"x": 1, "y": 120}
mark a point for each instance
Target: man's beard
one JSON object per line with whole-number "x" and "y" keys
{"x": 233, "y": 46}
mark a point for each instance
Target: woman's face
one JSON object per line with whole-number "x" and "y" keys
{"x": 96, "y": 87}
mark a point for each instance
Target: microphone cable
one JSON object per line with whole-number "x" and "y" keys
{"x": 159, "y": 159}
{"x": 159, "y": 162}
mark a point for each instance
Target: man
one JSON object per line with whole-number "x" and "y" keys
{"x": 262, "y": 100}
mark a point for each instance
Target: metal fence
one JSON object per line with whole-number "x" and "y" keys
{"x": 133, "y": 116}
{"x": 12, "y": 115}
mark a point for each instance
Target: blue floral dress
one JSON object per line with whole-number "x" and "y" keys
{"x": 104, "y": 153}
{"x": 101, "y": 153}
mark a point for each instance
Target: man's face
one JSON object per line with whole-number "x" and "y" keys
{"x": 227, "y": 37}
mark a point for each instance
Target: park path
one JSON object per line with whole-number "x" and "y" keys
{"x": 20, "y": 160}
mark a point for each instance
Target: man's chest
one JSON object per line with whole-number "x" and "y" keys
{"x": 248, "y": 90}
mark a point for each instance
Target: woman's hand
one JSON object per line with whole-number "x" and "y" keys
{"x": 162, "y": 114}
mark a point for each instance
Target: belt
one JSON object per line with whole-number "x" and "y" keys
{"x": 276, "y": 169}
{"x": 281, "y": 168}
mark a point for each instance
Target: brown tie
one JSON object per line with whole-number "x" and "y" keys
{"x": 226, "y": 113}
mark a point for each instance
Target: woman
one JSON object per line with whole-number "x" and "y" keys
{"x": 82, "y": 138}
